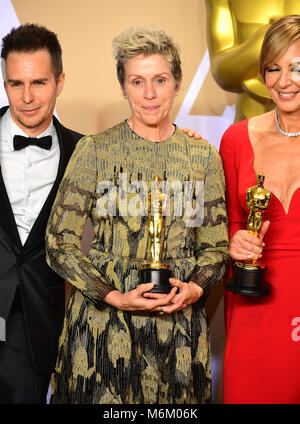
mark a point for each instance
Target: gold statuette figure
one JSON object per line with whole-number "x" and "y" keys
{"x": 156, "y": 272}
{"x": 248, "y": 275}
{"x": 156, "y": 202}
{"x": 258, "y": 199}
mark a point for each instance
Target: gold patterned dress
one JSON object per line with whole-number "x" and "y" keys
{"x": 111, "y": 356}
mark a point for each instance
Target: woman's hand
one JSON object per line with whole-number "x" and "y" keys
{"x": 187, "y": 294}
{"x": 192, "y": 133}
{"x": 190, "y": 292}
{"x": 138, "y": 300}
{"x": 245, "y": 246}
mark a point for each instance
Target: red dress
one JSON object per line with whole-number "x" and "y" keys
{"x": 262, "y": 353}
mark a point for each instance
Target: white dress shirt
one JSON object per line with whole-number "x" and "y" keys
{"x": 28, "y": 173}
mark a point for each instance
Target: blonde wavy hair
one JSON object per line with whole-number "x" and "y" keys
{"x": 135, "y": 41}
{"x": 278, "y": 38}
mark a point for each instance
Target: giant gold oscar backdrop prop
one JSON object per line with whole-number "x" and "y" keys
{"x": 248, "y": 276}
{"x": 155, "y": 271}
{"x": 235, "y": 32}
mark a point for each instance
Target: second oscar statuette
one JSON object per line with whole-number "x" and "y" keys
{"x": 248, "y": 276}
{"x": 155, "y": 271}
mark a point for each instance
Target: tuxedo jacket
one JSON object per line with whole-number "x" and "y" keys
{"x": 41, "y": 290}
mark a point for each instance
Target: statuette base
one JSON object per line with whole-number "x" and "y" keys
{"x": 159, "y": 276}
{"x": 248, "y": 280}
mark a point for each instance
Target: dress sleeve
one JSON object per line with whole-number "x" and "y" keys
{"x": 211, "y": 238}
{"x": 70, "y": 211}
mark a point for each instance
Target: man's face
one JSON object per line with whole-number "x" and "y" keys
{"x": 31, "y": 89}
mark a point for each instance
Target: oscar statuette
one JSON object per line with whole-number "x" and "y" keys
{"x": 248, "y": 275}
{"x": 154, "y": 271}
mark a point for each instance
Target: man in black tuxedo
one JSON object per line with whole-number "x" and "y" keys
{"x": 32, "y": 296}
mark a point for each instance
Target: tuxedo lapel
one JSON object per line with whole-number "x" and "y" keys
{"x": 7, "y": 219}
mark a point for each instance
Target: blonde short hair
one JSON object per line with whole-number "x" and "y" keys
{"x": 136, "y": 41}
{"x": 278, "y": 38}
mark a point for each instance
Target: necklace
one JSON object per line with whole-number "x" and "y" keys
{"x": 288, "y": 134}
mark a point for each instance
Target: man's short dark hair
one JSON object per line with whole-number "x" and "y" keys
{"x": 30, "y": 38}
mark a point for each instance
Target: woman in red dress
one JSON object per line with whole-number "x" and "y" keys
{"x": 262, "y": 354}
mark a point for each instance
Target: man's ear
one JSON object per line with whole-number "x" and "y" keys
{"x": 60, "y": 83}
{"x": 3, "y": 66}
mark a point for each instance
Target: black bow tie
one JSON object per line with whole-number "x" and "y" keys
{"x": 44, "y": 142}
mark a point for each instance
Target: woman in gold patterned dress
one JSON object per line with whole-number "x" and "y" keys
{"x": 119, "y": 343}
